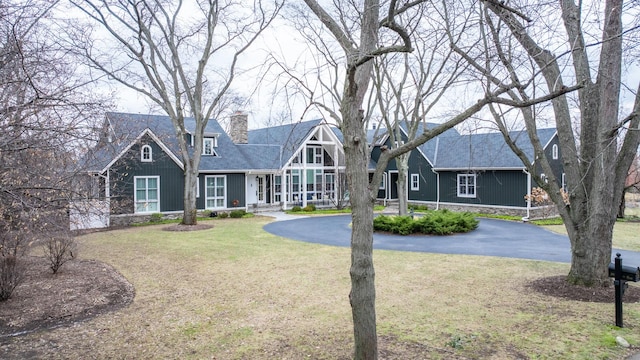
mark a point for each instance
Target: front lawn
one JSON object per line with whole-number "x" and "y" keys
{"x": 237, "y": 292}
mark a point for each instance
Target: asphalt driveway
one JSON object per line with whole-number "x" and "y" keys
{"x": 491, "y": 238}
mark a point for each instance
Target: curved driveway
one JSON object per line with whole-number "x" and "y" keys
{"x": 491, "y": 238}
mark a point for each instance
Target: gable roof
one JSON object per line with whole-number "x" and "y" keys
{"x": 126, "y": 129}
{"x": 277, "y": 144}
{"x": 485, "y": 151}
{"x": 454, "y": 151}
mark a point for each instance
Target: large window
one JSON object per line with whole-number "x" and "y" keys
{"x": 277, "y": 188}
{"x": 215, "y": 191}
{"x": 467, "y": 185}
{"x": 415, "y": 182}
{"x": 146, "y": 154}
{"x": 147, "y": 194}
{"x": 329, "y": 186}
{"x": 208, "y": 145}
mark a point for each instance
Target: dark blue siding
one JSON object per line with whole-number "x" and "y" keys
{"x": 498, "y": 187}
{"x": 123, "y": 172}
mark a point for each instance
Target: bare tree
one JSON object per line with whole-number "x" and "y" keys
{"x": 45, "y": 114}
{"x": 183, "y": 56}
{"x": 597, "y": 144}
{"x": 409, "y": 87}
{"x": 344, "y": 77}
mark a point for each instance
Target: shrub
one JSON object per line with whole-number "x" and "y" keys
{"x": 296, "y": 209}
{"x": 237, "y": 213}
{"x": 13, "y": 246}
{"x": 402, "y": 225}
{"x": 58, "y": 250}
{"x": 223, "y": 215}
{"x": 309, "y": 208}
{"x": 156, "y": 217}
{"x": 206, "y": 213}
{"x": 11, "y": 274}
{"x": 441, "y": 222}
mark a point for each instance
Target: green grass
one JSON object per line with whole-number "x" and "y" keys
{"x": 625, "y": 234}
{"x": 237, "y": 292}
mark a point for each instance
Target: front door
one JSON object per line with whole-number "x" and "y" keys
{"x": 393, "y": 185}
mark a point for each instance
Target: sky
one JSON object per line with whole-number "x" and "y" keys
{"x": 265, "y": 108}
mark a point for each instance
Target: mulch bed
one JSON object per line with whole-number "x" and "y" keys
{"x": 82, "y": 289}
{"x": 558, "y": 286}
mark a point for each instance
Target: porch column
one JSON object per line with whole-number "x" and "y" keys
{"x": 303, "y": 178}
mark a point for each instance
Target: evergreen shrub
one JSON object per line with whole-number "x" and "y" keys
{"x": 237, "y": 214}
{"x": 433, "y": 222}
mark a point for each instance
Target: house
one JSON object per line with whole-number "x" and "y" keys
{"x": 475, "y": 172}
{"x": 136, "y": 165}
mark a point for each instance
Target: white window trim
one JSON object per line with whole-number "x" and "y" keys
{"x": 383, "y": 183}
{"x": 142, "y": 149}
{"x": 135, "y": 194}
{"x": 206, "y": 192}
{"x": 475, "y": 185}
{"x": 554, "y": 151}
{"x": 214, "y": 144}
{"x": 564, "y": 182}
{"x": 415, "y": 182}
{"x": 197, "y": 186}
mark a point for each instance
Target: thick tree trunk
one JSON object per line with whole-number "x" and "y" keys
{"x": 363, "y": 292}
{"x": 591, "y": 253}
{"x": 190, "y": 214}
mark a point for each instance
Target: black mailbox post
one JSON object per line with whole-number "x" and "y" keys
{"x": 622, "y": 274}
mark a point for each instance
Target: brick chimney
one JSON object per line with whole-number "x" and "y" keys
{"x": 238, "y": 128}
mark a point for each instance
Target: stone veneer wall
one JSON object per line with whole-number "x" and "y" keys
{"x": 534, "y": 213}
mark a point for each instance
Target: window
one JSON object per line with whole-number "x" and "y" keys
{"x": 415, "y": 182}
{"x": 554, "y": 151}
{"x": 383, "y": 183}
{"x": 564, "y": 183}
{"x": 208, "y": 145}
{"x": 215, "y": 192}
{"x": 146, "y": 154}
{"x": 146, "y": 193}
{"x": 314, "y": 155}
{"x": 277, "y": 188}
{"x": 329, "y": 186}
{"x": 467, "y": 185}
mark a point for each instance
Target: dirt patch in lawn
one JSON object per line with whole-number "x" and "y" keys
{"x": 559, "y": 287}
{"x": 82, "y": 289}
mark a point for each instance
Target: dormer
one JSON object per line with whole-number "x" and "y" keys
{"x": 210, "y": 144}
